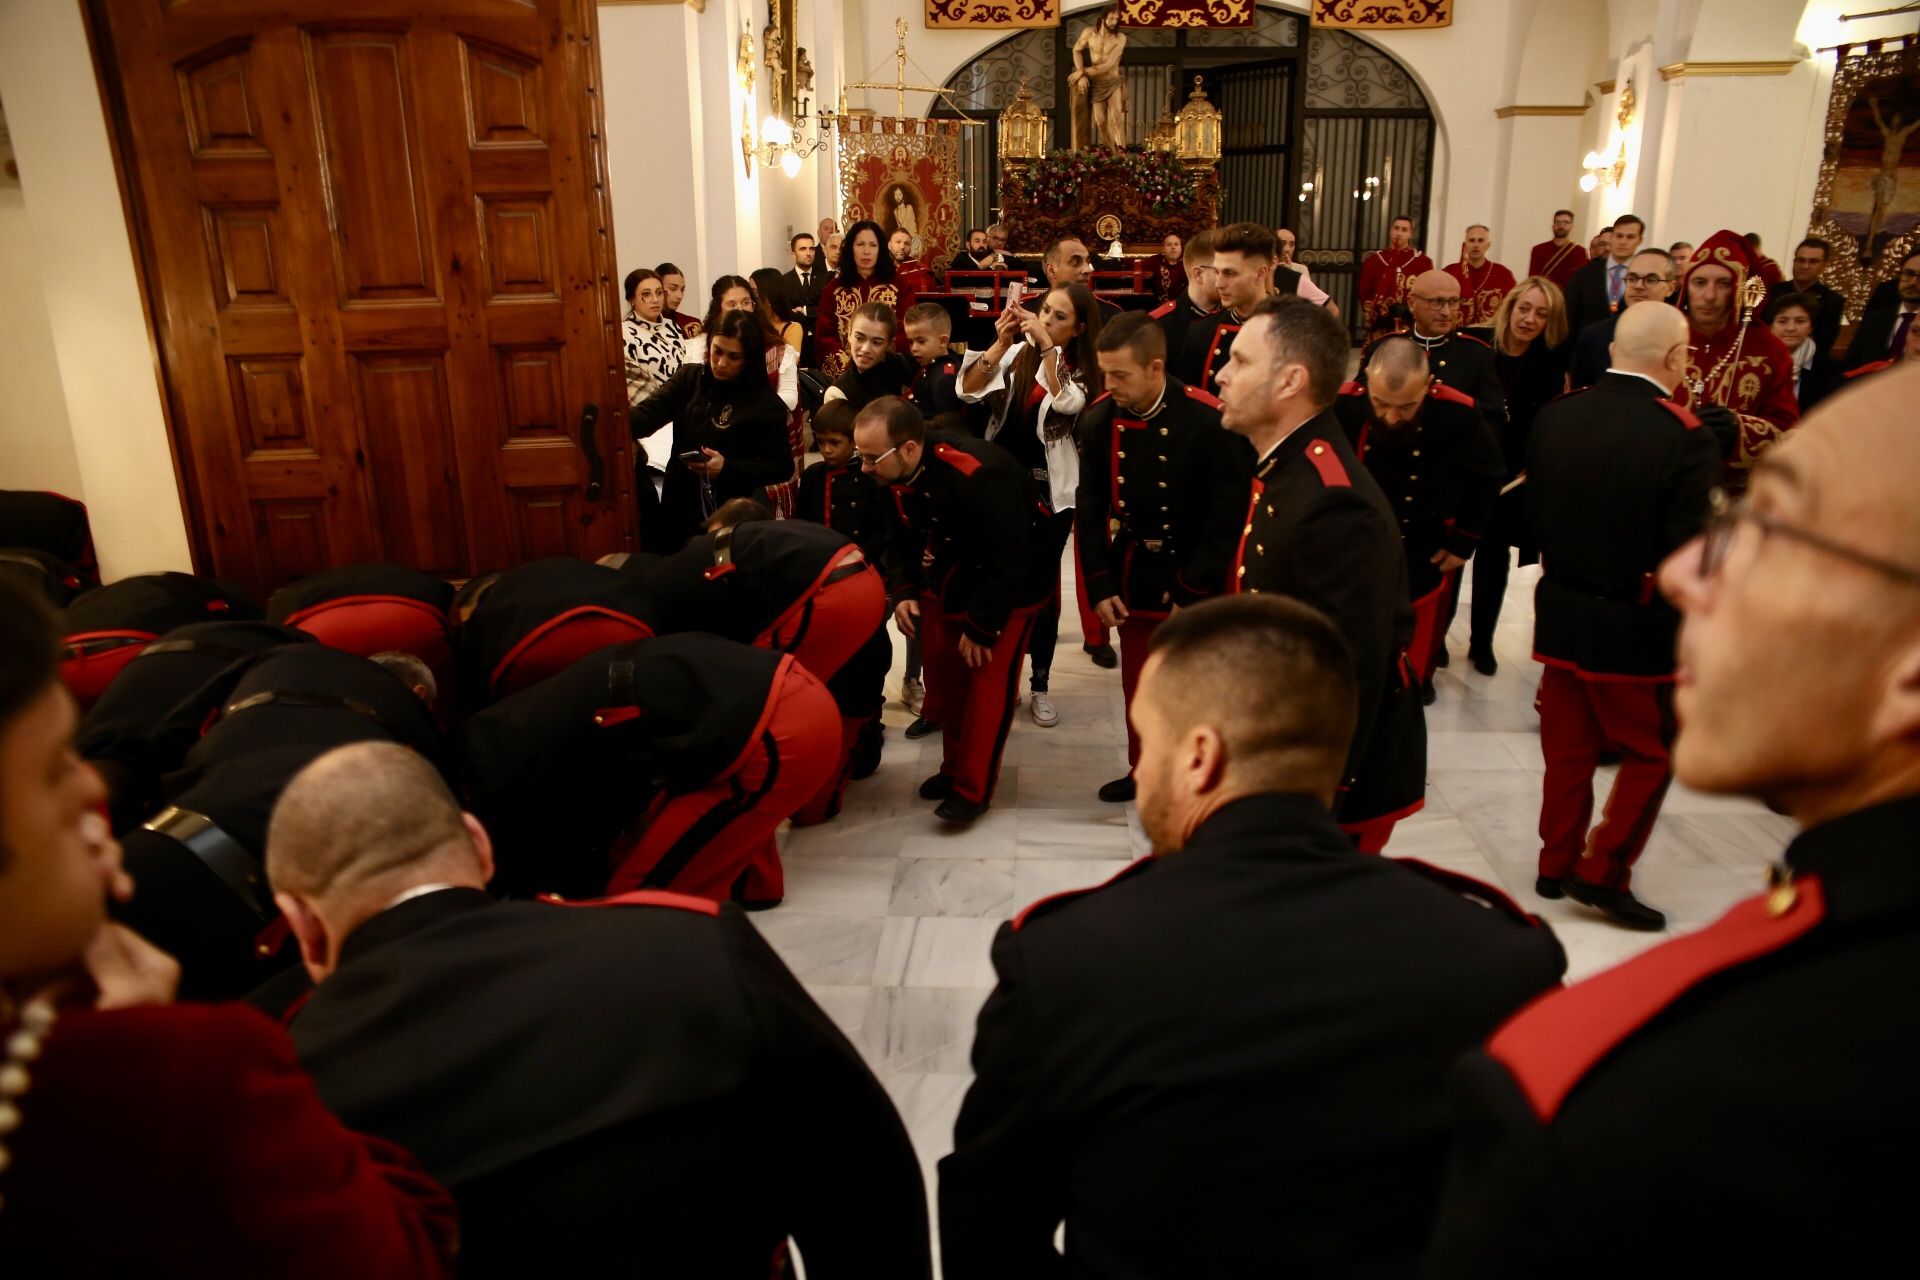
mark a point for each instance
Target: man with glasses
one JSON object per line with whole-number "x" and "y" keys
{"x": 1882, "y": 334}
{"x": 1201, "y": 299}
{"x": 1649, "y": 278}
{"x": 1617, "y": 477}
{"x": 964, "y": 577}
{"x": 1810, "y": 258}
{"x": 1745, "y": 1093}
{"x": 1458, "y": 360}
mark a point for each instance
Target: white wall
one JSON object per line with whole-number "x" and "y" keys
{"x": 38, "y": 453}
{"x": 650, "y": 88}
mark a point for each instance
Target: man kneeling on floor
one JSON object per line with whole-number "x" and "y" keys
{"x": 1231, "y": 1060}
{"x": 637, "y": 1085}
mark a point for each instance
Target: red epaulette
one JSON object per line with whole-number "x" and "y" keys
{"x": 1679, "y": 411}
{"x": 1866, "y": 369}
{"x": 960, "y": 460}
{"x": 1333, "y": 472}
{"x": 1053, "y": 900}
{"x": 1162, "y": 311}
{"x": 1462, "y": 333}
{"x": 640, "y": 898}
{"x": 1450, "y": 395}
{"x": 1353, "y": 388}
{"x": 1104, "y": 395}
{"x": 1205, "y": 398}
{"x": 1466, "y": 886}
{"x": 1551, "y": 1045}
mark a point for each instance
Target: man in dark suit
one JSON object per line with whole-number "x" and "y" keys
{"x": 803, "y": 285}
{"x": 1809, "y": 260}
{"x": 635, "y": 1085}
{"x": 1598, "y": 289}
{"x": 1882, "y": 334}
{"x": 1650, "y": 278}
{"x": 1201, "y": 1066}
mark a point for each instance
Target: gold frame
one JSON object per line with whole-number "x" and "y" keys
{"x": 1858, "y": 66}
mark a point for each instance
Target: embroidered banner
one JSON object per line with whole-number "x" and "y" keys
{"x": 992, "y": 14}
{"x": 1186, "y": 13}
{"x": 1382, "y": 15}
{"x": 905, "y": 175}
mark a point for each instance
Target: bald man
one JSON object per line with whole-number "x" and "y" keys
{"x": 1746, "y": 1093}
{"x": 637, "y": 1085}
{"x": 1208, "y": 1038}
{"x": 1617, "y": 478}
{"x": 1456, "y": 359}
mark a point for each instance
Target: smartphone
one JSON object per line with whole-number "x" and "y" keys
{"x": 1015, "y": 290}
{"x": 692, "y": 458}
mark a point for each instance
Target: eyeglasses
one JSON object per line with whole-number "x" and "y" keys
{"x": 874, "y": 462}
{"x": 1910, "y": 275}
{"x": 1728, "y": 514}
{"x": 1444, "y": 304}
{"x": 1646, "y": 280}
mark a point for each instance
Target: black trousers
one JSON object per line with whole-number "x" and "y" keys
{"x": 1046, "y": 624}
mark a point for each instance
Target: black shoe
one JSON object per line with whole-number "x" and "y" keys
{"x": 958, "y": 811}
{"x": 1550, "y": 887}
{"x": 739, "y": 895}
{"x": 1617, "y": 905}
{"x": 1483, "y": 661}
{"x": 1103, "y": 656}
{"x": 1119, "y": 791}
{"x": 1428, "y": 694}
{"x": 864, "y": 760}
{"x": 1441, "y": 659}
{"x": 938, "y": 787}
{"x": 1609, "y": 755}
{"x": 920, "y": 728}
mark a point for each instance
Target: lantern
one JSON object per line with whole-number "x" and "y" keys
{"x": 1023, "y": 129}
{"x": 1196, "y": 132}
{"x": 1160, "y": 137}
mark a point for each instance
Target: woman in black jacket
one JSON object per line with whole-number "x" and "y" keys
{"x": 729, "y": 431}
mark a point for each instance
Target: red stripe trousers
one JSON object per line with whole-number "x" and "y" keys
{"x": 830, "y": 624}
{"x": 976, "y": 703}
{"x": 1579, "y": 716}
{"x": 1136, "y": 639}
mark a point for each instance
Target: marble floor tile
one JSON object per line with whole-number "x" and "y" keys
{"x": 920, "y": 1028}
{"x": 949, "y": 951}
{"x": 839, "y": 884}
{"x": 830, "y": 949}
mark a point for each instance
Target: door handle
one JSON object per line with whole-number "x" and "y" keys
{"x": 590, "y": 445}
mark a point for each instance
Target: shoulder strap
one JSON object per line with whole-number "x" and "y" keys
{"x": 1054, "y": 900}
{"x": 640, "y": 898}
{"x": 1333, "y": 472}
{"x": 1449, "y": 395}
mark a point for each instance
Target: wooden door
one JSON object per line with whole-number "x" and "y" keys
{"x": 379, "y": 259}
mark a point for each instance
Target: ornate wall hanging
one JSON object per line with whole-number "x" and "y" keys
{"x": 1867, "y": 202}
{"x": 904, "y": 174}
{"x": 1187, "y": 13}
{"x": 1382, "y": 15}
{"x": 992, "y": 15}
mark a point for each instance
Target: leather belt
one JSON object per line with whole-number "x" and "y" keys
{"x": 210, "y": 649}
{"x": 318, "y": 702}
{"x": 850, "y": 569}
{"x": 221, "y": 854}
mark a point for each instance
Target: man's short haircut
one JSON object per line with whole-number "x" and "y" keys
{"x": 1752, "y": 238}
{"x": 1480, "y": 226}
{"x": 1625, "y": 218}
{"x": 834, "y": 418}
{"x": 1815, "y": 242}
{"x": 1136, "y": 331}
{"x": 1052, "y": 255}
{"x": 358, "y": 815}
{"x": 666, "y": 269}
{"x": 411, "y": 671}
{"x": 1199, "y": 250}
{"x": 975, "y": 231}
{"x": 1661, "y": 254}
{"x": 1249, "y": 239}
{"x": 1395, "y": 360}
{"x": 798, "y": 236}
{"x": 1563, "y": 213}
{"x": 1400, "y": 217}
{"x": 930, "y": 313}
{"x": 878, "y": 312}
{"x": 900, "y": 417}
{"x": 737, "y": 511}
{"x": 1273, "y": 676}
{"x": 1306, "y": 335}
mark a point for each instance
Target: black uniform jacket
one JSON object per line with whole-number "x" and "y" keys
{"x": 154, "y": 604}
{"x": 615, "y": 1090}
{"x": 1227, "y": 1062}
{"x": 359, "y": 580}
{"x": 1205, "y": 348}
{"x": 1175, "y": 318}
{"x": 526, "y": 599}
{"x": 969, "y": 517}
{"x": 1440, "y": 472}
{"x": 44, "y": 574}
{"x": 1319, "y": 529}
{"x": 1618, "y": 479}
{"x": 935, "y": 389}
{"x": 741, "y": 419}
{"x": 559, "y": 769}
{"x": 1462, "y": 362}
{"x": 862, "y": 387}
{"x": 738, "y": 582}
{"x": 1159, "y": 504}
{"x": 851, "y": 503}
{"x": 172, "y": 678}
{"x": 1742, "y": 1097}
{"x": 48, "y": 522}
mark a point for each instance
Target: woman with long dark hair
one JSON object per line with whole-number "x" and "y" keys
{"x": 784, "y": 335}
{"x": 729, "y": 429}
{"x": 1044, "y": 362}
{"x": 770, "y": 292}
{"x": 867, "y": 273}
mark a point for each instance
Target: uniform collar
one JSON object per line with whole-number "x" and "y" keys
{"x": 1275, "y": 817}
{"x": 1430, "y": 344}
{"x": 1865, "y": 861}
{"x": 1321, "y": 426}
{"x": 410, "y": 915}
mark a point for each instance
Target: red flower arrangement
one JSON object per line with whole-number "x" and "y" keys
{"x": 1053, "y": 184}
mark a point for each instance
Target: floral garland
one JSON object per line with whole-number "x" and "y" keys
{"x": 1053, "y": 184}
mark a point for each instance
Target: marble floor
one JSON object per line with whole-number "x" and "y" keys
{"x": 889, "y": 914}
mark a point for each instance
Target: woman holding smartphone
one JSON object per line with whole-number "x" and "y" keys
{"x": 729, "y": 429}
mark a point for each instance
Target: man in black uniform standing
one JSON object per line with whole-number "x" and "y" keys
{"x": 1243, "y": 255}
{"x": 962, "y": 576}
{"x": 1745, "y": 1094}
{"x": 1207, "y": 1040}
{"x": 1431, "y": 452}
{"x": 1202, "y": 298}
{"x": 1318, "y": 529}
{"x": 1618, "y": 477}
{"x": 1158, "y": 507}
{"x": 638, "y": 1086}
{"x": 1457, "y": 359}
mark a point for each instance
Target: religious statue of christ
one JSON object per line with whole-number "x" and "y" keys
{"x": 1099, "y": 90}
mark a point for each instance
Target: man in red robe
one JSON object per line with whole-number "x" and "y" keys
{"x": 1557, "y": 259}
{"x": 1483, "y": 282}
{"x": 1387, "y": 274}
{"x": 1734, "y": 361}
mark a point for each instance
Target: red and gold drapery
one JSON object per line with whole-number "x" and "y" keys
{"x": 1187, "y": 13}
{"x": 905, "y": 175}
{"x": 1382, "y": 15}
{"x": 986, "y": 15}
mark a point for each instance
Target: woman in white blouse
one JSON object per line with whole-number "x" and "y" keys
{"x": 735, "y": 293}
{"x": 654, "y": 348}
{"x": 1044, "y": 362}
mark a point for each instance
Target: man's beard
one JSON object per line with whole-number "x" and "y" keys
{"x": 1155, "y": 818}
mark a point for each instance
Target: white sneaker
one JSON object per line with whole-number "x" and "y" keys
{"x": 912, "y": 694}
{"x": 1043, "y": 713}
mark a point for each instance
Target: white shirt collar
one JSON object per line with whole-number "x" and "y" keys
{"x": 419, "y": 891}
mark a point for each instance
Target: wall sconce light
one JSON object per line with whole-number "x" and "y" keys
{"x": 1603, "y": 172}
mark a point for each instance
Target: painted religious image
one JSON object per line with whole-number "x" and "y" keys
{"x": 1099, "y": 90}
{"x": 1876, "y": 181}
{"x": 903, "y": 208}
